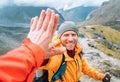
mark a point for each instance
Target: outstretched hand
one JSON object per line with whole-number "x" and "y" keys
{"x": 42, "y": 30}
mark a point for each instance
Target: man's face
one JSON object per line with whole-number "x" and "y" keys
{"x": 69, "y": 39}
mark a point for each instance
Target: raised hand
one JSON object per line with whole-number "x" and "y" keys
{"x": 42, "y": 30}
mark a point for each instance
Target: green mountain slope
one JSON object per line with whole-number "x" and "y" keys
{"x": 106, "y": 37}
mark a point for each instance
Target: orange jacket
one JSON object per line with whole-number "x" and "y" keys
{"x": 75, "y": 66}
{"x": 20, "y": 64}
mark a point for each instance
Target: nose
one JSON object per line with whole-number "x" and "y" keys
{"x": 70, "y": 38}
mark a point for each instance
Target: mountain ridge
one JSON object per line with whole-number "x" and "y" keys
{"x": 77, "y": 14}
{"x": 20, "y": 16}
{"x": 108, "y": 14}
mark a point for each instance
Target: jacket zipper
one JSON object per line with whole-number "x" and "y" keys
{"x": 78, "y": 68}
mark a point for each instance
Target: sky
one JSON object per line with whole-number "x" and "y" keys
{"x": 58, "y": 4}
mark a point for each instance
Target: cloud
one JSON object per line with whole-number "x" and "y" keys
{"x": 6, "y": 2}
{"x": 3, "y": 2}
{"x": 66, "y": 4}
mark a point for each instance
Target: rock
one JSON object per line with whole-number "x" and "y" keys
{"x": 99, "y": 34}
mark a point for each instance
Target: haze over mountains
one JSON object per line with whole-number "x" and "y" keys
{"x": 20, "y": 16}
{"x": 77, "y": 14}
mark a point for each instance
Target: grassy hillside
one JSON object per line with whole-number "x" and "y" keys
{"x": 105, "y": 44}
{"x": 109, "y": 33}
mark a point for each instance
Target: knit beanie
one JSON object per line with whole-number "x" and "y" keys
{"x": 67, "y": 26}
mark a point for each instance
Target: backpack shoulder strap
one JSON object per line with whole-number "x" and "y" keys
{"x": 80, "y": 55}
{"x": 60, "y": 71}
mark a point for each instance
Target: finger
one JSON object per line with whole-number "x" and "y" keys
{"x": 51, "y": 45}
{"x": 51, "y": 25}
{"x": 47, "y": 18}
{"x": 106, "y": 78}
{"x": 57, "y": 51}
{"x": 57, "y": 44}
{"x": 108, "y": 74}
{"x": 55, "y": 23}
{"x": 31, "y": 22}
{"x": 33, "y": 26}
{"x": 41, "y": 19}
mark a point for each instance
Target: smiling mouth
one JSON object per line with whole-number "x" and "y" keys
{"x": 70, "y": 43}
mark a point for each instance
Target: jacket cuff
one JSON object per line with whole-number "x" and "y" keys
{"x": 36, "y": 50}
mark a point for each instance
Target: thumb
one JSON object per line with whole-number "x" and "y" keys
{"x": 55, "y": 51}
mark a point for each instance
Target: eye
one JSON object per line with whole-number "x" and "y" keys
{"x": 74, "y": 34}
{"x": 65, "y": 35}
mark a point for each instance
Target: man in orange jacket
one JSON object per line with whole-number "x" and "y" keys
{"x": 75, "y": 61}
{"x": 20, "y": 64}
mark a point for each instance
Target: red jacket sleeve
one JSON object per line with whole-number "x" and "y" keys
{"x": 20, "y": 64}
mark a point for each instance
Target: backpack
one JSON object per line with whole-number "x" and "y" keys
{"x": 56, "y": 76}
